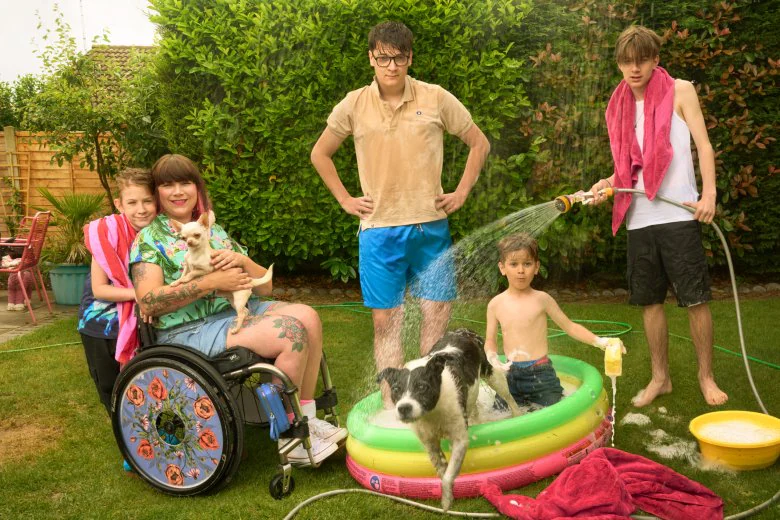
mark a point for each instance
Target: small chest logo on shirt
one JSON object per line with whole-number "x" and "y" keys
{"x": 419, "y": 112}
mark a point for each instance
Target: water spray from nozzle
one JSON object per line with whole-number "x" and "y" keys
{"x": 564, "y": 203}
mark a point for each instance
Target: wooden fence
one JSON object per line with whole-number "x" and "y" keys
{"x": 26, "y": 165}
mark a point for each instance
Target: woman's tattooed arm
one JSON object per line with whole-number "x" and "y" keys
{"x": 156, "y": 300}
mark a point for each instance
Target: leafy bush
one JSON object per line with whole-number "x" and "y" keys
{"x": 248, "y": 93}
{"x": 245, "y": 89}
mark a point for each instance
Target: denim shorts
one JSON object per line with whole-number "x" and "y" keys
{"x": 664, "y": 255}
{"x": 417, "y": 255}
{"x": 535, "y": 384}
{"x": 209, "y": 335}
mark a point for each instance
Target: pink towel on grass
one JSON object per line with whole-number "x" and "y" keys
{"x": 610, "y": 484}
{"x": 656, "y": 155}
{"x": 109, "y": 240}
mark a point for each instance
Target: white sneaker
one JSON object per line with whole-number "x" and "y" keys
{"x": 10, "y": 306}
{"x": 20, "y": 307}
{"x": 326, "y": 431}
{"x": 320, "y": 451}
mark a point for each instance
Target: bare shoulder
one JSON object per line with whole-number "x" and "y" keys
{"x": 683, "y": 87}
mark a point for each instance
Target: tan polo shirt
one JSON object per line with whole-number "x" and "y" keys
{"x": 400, "y": 152}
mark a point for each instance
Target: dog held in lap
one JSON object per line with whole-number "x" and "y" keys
{"x": 197, "y": 262}
{"x": 437, "y": 394}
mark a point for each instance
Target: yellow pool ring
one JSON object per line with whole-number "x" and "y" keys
{"x": 496, "y": 456}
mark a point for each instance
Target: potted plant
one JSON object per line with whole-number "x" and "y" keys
{"x": 71, "y": 212}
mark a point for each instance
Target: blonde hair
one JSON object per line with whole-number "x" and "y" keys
{"x": 637, "y": 44}
{"x": 518, "y": 242}
{"x": 133, "y": 177}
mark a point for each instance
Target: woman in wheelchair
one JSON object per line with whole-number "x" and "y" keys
{"x": 189, "y": 314}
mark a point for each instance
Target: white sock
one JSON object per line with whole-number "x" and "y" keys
{"x": 309, "y": 409}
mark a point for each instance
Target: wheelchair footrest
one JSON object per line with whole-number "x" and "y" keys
{"x": 297, "y": 430}
{"x": 328, "y": 399}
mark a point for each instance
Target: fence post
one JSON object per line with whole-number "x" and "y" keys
{"x": 9, "y": 134}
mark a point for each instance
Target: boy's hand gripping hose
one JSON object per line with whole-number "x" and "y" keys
{"x": 565, "y": 202}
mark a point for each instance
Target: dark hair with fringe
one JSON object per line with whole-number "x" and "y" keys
{"x": 518, "y": 242}
{"x": 173, "y": 167}
{"x": 637, "y": 44}
{"x": 394, "y": 34}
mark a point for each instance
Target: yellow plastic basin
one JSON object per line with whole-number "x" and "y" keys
{"x": 738, "y": 439}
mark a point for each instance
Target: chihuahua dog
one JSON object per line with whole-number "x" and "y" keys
{"x": 437, "y": 394}
{"x": 197, "y": 262}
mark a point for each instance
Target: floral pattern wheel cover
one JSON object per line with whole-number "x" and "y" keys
{"x": 170, "y": 428}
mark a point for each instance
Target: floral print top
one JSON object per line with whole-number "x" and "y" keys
{"x": 159, "y": 244}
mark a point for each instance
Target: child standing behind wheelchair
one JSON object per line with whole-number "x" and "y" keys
{"x": 189, "y": 314}
{"x": 522, "y": 313}
{"x": 106, "y": 314}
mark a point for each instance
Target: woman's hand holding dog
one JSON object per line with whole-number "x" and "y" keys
{"x": 227, "y": 259}
{"x": 229, "y": 280}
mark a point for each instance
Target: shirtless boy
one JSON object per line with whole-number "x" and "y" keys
{"x": 522, "y": 313}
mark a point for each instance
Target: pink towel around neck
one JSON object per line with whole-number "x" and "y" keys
{"x": 610, "y": 484}
{"x": 109, "y": 240}
{"x": 656, "y": 154}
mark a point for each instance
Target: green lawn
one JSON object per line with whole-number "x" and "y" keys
{"x": 60, "y": 459}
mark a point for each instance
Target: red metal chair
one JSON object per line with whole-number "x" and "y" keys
{"x": 32, "y": 234}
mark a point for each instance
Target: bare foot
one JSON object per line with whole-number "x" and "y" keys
{"x": 650, "y": 392}
{"x": 712, "y": 394}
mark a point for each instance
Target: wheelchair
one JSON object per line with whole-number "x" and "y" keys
{"x": 178, "y": 417}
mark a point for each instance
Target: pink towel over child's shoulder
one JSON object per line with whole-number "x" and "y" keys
{"x": 109, "y": 240}
{"x": 610, "y": 484}
{"x": 656, "y": 153}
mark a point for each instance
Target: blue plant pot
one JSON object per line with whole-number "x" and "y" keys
{"x": 67, "y": 283}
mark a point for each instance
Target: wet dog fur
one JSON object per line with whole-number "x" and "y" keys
{"x": 436, "y": 395}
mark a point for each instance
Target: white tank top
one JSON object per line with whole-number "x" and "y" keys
{"x": 679, "y": 183}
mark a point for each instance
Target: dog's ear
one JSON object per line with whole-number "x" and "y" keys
{"x": 175, "y": 224}
{"x": 438, "y": 362}
{"x": 387, "y": 374}
{"x": 203, "y": 220}
{"x": 212, "y": 218}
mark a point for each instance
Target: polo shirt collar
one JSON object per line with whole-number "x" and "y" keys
{"x": 408, "y": 89}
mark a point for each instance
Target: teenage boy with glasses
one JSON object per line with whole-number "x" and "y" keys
{"x": 398, "y": 126}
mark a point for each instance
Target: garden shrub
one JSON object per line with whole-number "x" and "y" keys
{"x": 246, "y": 88}
{"x": 253, "y": 83}
{"x": 725, "y": 49}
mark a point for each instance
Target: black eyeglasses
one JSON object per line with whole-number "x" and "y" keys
{"x": 384, "y": 61}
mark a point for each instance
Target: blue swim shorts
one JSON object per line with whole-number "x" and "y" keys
{"x": 417, "y": 255}
{"x": 209, "y": 335}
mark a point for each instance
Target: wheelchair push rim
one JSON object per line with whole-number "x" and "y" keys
{"x": 176, "y": 425}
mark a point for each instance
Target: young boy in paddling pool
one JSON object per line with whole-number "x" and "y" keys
{"x": 522, "y": 313}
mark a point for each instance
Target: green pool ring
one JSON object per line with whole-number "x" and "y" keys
{"x": 488, "y": 434}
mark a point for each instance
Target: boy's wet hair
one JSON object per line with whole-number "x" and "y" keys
{"x": 392, "y": 34}
{"x": 173, "y": 167}
{"x": 518, "y": 242}
{"x": 637, "y": 44}
{"x": 133, "y": 177}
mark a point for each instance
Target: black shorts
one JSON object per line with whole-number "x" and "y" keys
{"x": 667, "y": 254}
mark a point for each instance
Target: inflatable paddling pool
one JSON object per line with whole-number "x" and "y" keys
{"x": 511, "y": 452}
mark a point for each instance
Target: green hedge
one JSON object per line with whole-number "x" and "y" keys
{"x": 246, "y": 88}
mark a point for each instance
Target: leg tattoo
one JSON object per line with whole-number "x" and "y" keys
{"x": 293, "y": 330}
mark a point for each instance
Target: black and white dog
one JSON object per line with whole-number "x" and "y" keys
{"x": 437, "y": 396}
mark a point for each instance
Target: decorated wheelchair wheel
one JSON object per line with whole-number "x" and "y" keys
{"x": 175, "y": 422}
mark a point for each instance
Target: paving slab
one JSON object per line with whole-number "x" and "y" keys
{"x": 18, "y": 323}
